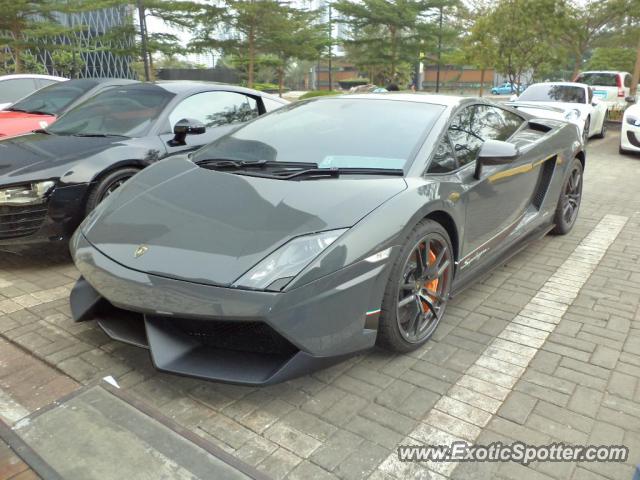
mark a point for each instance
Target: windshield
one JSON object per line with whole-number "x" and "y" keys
{"x": 54, "y": 99}
{"x": 598, "y": 79}
{"x": 122, "y": 111}
{"x": 339, "y": 132}
{"x": 554, "y": 93}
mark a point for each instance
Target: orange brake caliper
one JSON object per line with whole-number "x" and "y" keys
{"x": 431, "y": 285}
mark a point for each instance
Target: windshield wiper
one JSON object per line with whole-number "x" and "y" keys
{"x": 228, "y": 164}
{"x": 16, "y": 110}
{"x": 99, "y": 135}
{"x": 333, "y": 172}
{"x": 40, "y": 112}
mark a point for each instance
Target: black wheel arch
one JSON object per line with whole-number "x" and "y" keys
{"x": 132, "y": 163}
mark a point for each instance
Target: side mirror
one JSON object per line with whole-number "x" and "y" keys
{"x": 513, "y": 98}
{"x": 184, "y": 127}
{"x": 495, "y": 152}
{"x": 630, "y": 99}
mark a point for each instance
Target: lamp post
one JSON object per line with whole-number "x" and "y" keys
{"x": 330, "y": 50}
{"x": 439, "y": 52}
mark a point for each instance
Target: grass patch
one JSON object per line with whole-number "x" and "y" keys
{"x": 319, "y": 93}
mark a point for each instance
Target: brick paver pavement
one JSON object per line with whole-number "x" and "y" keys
{"x": 580, "y": 386}
{"x": 12, "y": 467}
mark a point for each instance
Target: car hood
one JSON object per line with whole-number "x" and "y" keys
{"x": 39, "y": 156}
{"x": 16, "y": 123}
{"x": 210, "y": 227}
{"x": 632, "y": 110}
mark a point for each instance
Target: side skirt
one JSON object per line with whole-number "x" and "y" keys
{"x": 481, "y": 272}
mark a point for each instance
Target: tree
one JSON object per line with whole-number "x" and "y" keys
{"x": 293, "y": 34}
{"x": 612, "y": 58}
{"x": 26, "y": 25}
{"x": 244, "y": 37}
{"x": 479, "y": 48}
{"x": 386, "y": 33}
{"x": 585, "y": 23}
{"x": 175, "y": 14}
{"x": 524, "y": 35}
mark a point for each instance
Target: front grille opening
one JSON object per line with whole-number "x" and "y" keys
{"x": 21, "y": 221}
{"x": 256, "y": 337}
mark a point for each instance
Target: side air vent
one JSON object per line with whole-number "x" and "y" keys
{"x": 543, "y": 182}
{"x": 538, "y": 126}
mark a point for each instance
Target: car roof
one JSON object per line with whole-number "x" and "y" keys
{"x": 31, "y": 75}
{"x": 566, "y": 84}
{"x": 445, "y": 100}
{"x": 188, "y": 86}
{"x": 613, "y": 72}
{"x": 112, "y": 81}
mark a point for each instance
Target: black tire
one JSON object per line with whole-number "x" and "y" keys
{"x": 603, "y": 130}
{"x": 422, "y": 288}
{"x": 107, "y": 185}
{"x": 569, "y": 201}
{"x": 585, "y": 132}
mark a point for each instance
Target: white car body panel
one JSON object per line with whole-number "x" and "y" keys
{"x": 595, "y": 111}
{"x": 610, "y": 94}
{"x": 630, "y": 132}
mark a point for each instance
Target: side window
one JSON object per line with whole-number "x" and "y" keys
{"x": 590, "y": 90}
{"x": 473, "y": 125}
{"x": 627, "y": 81}
{"x": 506, "y": 122}
{"x": 444, "y": 160}
{"x": 215, "y": 108}
{"x": 465, "y": 135}
{"x": 13, "y": 90}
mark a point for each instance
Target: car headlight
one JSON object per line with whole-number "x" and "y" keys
{"x": 572, "y": 115}
{"x": 279, "y": 268}
{"x": 633, "y": 121}
{"x": 27, "y": 194}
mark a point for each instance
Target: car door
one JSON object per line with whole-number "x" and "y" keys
{"x": 217, "y": 110}
{"x": 497, "y": 201}
{"x": 598, "y": 110}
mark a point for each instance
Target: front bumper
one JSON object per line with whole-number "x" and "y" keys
{"x": 53, "y": 220}
{"x": 228, "y": 334}
{"x": 630, "y": 137}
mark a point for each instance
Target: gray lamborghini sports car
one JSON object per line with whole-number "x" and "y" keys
{"x": 321, "y": 230}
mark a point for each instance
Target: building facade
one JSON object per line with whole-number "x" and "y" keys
{"x": 94, "y": 53}
{"x": 99, "y": 53}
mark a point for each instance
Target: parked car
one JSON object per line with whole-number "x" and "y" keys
{"x": 15, "y": 87}
{"x": 50, "y": 179}
{"x": 630, "y": 131}
{"x": 42, "y": 108}
{"x": 569, "y": 101}
{"x": 506, "y": 88}
{"x": 609, "y": 86}
{"x": 318, "y": 231}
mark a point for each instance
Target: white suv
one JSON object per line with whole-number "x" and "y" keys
{"x": 609, "y": 86}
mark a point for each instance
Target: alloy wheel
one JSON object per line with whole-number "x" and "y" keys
{"x": 424, "y": 288}
{"x": 585, "y": 132}
{"x": 572, "y": 195}
{"x": 113, "y": 187}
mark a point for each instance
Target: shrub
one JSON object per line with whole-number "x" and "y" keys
{"x": 352, "y": 82}
{"x": 319, "y": 93}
